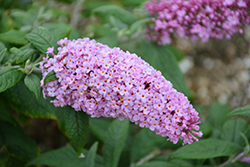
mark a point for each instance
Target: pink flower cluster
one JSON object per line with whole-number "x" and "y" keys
{"x": 112, "y": 83}
{"x": 196, "y": 19}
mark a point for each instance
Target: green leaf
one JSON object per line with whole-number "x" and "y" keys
{"x": 51, "y": 76}
{"x": 90, "y": 158}
{"x": 63, "y": 157}
{"x": 137, "y": 24}
{"x": 231, "y": 131}
{"x": 3, "y": 51}
{"x": 9, "y": 77}
{"x": 14, "y": 36}
{"x": 42, "y": 39}
{"x": 242, "y": 111}
{"x": 15, "y": 51}
{"x": 33, "y": 83}
{"x": 217, "y": 114}
{"x": 208, "y": 148}
{"x": 145, "y": 142}
{"x": 161, "y": 59}
{"x": 155, "y": 164}
{"x": 5, "y": 114}
{"x": 18, "y": 144}
{"x": 120, "y": 13}
{"x": 98, "y": 158}
{"x": 99, "y": 127}
{"x": 77, "y": 128}
{"x": 24, "y": 55}
{"x": 114, "y": 142}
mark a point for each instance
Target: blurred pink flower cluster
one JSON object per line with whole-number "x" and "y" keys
{"x": 196, "y": 19}
{"x": 107, "y": 82}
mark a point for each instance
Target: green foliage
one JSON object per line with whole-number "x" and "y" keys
{"x": 3, "y": 51}
{"x": 14, "y": 37}
{"x": 145, "y": 142}
{"x": 63, "y": 157}
{"x": 114, "y": 142}
{"x": 208, "y": 148}
{"x": 33, "y": 83}
{"x": 42, "y": 39}
{"x": 51, "y": 76}
{"x": 9, "y": 77}
{"x": 242, "y": 111}
{"x": 77, "y": 128}
{"x": 90, "y": 158}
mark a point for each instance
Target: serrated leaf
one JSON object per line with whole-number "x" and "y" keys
{"x": 90, "y": 158}
{"x": 231, "y": 131}
{"x": 42, "y": 39}
{"x": 63, "y": 157}
{"x": 14, "y": 36}
{"x": 51, "y": 76}
{"x": 208, "y": 148}
{"x": 77, "y": 128}
{"x": 137, "y": 24}
{"x": 9, "y": 77}
{"x": 114, "y": 142}
{"x": 120, "y": 13}
{"x": 155, "y": 164}
{"x": 24, "y": 55}
{"x": 242, "y": 111}
{"x": 145, "y": 142}
{"x": 161, "y": 59}
{"x": 33, "y": 83}
{"x": 19, "y": 144}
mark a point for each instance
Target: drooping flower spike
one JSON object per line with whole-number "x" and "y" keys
{"x": 107, "y": 82}
{"x": 196, "y": 19}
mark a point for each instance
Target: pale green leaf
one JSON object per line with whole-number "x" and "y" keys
{"x": 14, "y": 36}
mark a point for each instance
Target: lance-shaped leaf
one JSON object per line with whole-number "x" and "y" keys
{"x": 231, "y": 131}
{"x": 242, "y": 111}
{"x": 33, "y": 83}
{"x": 208, "y": 148}
{"x": 24, "y": 55}
{"x": 90, "y": 158}
{"x": 14, "y": 36}
{"x": 42, "y": 39}
{"x": 3, "y": 51}
{"x": 63, "y": 157}
{"x": 77, "y": 128}
{"x": 9, "y": 77}
{"x": 114, "y": 142}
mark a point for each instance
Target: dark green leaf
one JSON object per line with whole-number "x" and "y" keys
{"x": 145, "y": 142}
{"x": 231, "y": 131}
{"x": 42, "y": 39}
{"x": 5, "y": 114}
{"x": 122, "y": 14}
{"x": 63, "y": 157}
{"x": 242, "y": 111}
{"x": 114, "y": 142}
{"x": 51, "y": 76}
{"x": 155, "y": 164}
{"x": 14, "y": 36}
{"x": 77, "y": 128}
{"x": 33, "y": 83}
{"x": 18, "y": 144}
{"x": 208, "y": 148}
{"x": 90, "y": 158}
{"x": 9, "y": 77}
{"x": 24, "y": 55}
{"x": 15, "y": 51}
{"x": 3, "y": 51}
{"x": 99, "y": 127}
{"x": 161, "y": 59}
{"x": 137, "y": 24}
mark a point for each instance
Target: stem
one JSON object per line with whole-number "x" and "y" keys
{"x": 145, "y": 159}
{"x": 76, "y": 13}
{"x": 233, "y": 160}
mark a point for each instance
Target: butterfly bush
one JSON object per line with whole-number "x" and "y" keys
{"x": 196, "y": 19}
{"x": 107, "y": 82}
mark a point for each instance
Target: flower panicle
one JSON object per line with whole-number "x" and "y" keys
{"x": 109, "y": 82}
